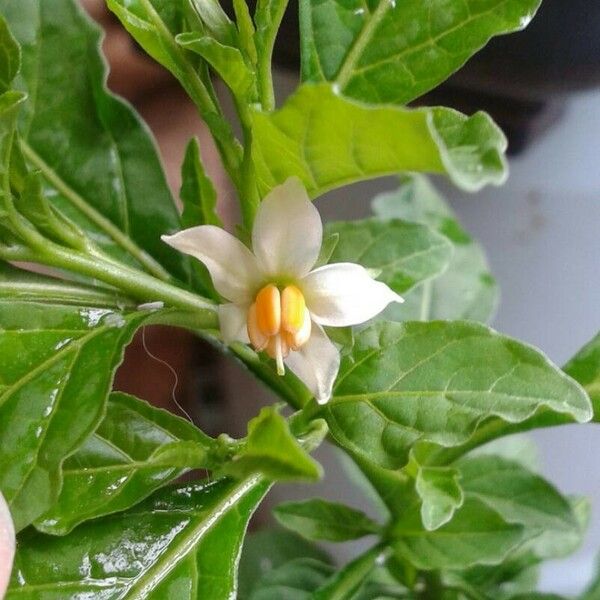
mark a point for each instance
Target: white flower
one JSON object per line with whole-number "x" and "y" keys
{"x": 7, "y": 545}
{"x": 276, "y": 301}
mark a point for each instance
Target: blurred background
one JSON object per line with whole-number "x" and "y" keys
{"x": 541, "y": 231}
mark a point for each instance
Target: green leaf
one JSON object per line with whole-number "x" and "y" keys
{"x": 55, "y": 375}
{"x": 440, "y": 493}
{"x": 476, "y": 535}
{"x": 393, "y": 52}
{"x": 226, "y": 61}
{"x": 516, "y": 493}
{"x": 135, "y": 450}
{"x": 296, "y": 580}
{"x": 271, "y": 449}
{"x": 11, "y": 56}
{"x": 197, "y": 193}
{"x": 329, "y": 141}
{"x": 405, "y": 254}
{"x": 318, "y": 519}
{"x": 584, "y": 367}
{"x": 404, "y": 383}
{"x": 183, "y": 543}
{"x": 466, "y": 290}
{"x": 95, "y": 154}
{"x": 267, "y": 550}
{"x": 330, "y": 241}
{"x": 246, "y": 30}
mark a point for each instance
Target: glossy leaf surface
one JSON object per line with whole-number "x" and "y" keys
{"x": 55, "y": 377}
{"x": 318, "y": 519}
{"x": 97, "y": 158}
{"x": 329, "y": 141}
{"x": 404, "y": 254}
{"x": 183, "y": 543}
{"x": 392, "y": 52}
{"x": 136, "y": 449}
{"x": 405, "y": 383}
{"x": 466, "y": 290}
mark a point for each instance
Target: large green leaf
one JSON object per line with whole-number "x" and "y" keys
{"x": 55, "y": 374}
{"x": 405, "y": 383}
{"x": 136, "y": 449}
{"x": 584, "y": 367}
{"x": 476, "y": 535}
{"x": 516, "y": 493}
{"x": 392, "y": 52}
{"x": 182, "y": 543}
{"x": 318, "y": 519}
{"x": 404, "y": 254}
{"x": 466, "y": 290}
{"x": 98, "y": 159}
{"x": 329, "y": 141}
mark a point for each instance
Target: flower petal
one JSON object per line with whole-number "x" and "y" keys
{"x": 287, "y": 232}
{"x": 344, "y": 294}
{"x": 232, "y": 266}
{"x": 232, "y": 321}
{"x": 317, "y": 364}
{"x": 7, "y": 545}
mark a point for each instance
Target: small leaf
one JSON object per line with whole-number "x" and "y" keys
{"x": 329, "y": 141}
{"x": 404, "y": 383}
{"x": 405, "y": 254}
{"x": 441, "y": 494}
{"x": 318, "y": 519}
{"x": 466, "y": 290}
{"x": 516, "y": 493}
{"x": 393, "y": 52}
{"x": 476, "y": 535}
{"x": 246, "y": 31}
{"x": 267, "y": 550}
{"x": 216, "y": 20}
{"x": 226, "y": 61}
{"x": 183, "y": 542}
{"x": 584, "y": 367}
{"x": 135, "y": 450}
{"x": 298, "y": 579}
{"x": 272, "y": 450}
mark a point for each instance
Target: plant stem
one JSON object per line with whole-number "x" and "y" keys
{"x": 345, "y": 582}
{"x": 433, "y": 586}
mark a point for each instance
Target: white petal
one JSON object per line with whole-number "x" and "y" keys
{"x": 317, "y": 364}
{"x": 287, "y": 232}
{"x": 344, "y": 294}
{"x": 232, "y": 266}
{"x": 7, "y": 545}
{"x": 232, "y": 320}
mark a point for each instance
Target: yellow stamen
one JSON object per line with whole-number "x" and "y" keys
{"x": 296, "y": 340}
{"x": 257, "y": 339}
{"x": 268, "y": 310}
{"x": 293, "y": 307}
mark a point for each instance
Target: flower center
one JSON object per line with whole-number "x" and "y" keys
{"x": 278, "y": 322}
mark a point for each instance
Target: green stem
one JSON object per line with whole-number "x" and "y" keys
{"x": 266, "y": 34}
{"x": 125, "y": 242}
{"x": 433, "y": 586}
{"x": 344, "y": 583}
